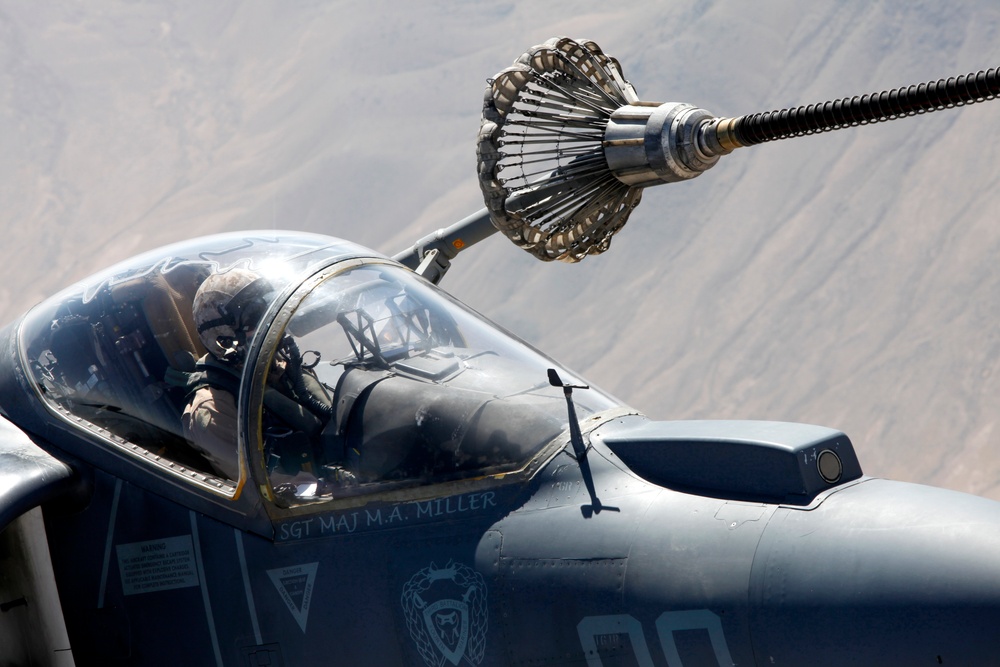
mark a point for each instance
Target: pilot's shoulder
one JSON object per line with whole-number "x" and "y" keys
{"x": 212, "y": 399}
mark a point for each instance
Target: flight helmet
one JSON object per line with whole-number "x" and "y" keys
{"x": 227, "y": 308}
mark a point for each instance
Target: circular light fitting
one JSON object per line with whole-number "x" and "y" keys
{"x": 829, "y": 466}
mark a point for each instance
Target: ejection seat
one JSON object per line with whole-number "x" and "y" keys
{"x": 165, "y": 299}
{"x": 167, "y": 304}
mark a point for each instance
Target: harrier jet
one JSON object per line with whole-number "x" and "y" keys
{"x": 287, "y": 449}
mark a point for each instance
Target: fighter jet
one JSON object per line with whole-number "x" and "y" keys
{"x": 287, "y": 449}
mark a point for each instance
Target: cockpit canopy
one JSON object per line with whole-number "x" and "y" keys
{"x": 112, "y": 354}
{"x": 356, "y": 377}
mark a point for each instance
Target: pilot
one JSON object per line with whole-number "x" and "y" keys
{"x": 227, "y": 310}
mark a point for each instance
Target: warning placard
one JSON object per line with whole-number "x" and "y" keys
{"x": 157, "y": 565}
{"x": 295, "y": 586}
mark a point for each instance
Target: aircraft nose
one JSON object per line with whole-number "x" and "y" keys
{"x": 881, "y": 573}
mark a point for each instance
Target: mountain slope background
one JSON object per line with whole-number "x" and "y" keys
{"x": 848, "y": 279}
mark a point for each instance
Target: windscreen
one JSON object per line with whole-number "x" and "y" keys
{"x": 380, "y": 380}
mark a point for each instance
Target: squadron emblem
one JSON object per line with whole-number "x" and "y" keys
{"x": 445, "y": 610}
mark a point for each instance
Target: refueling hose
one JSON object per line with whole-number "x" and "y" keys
{"x": 566, "y": 146}
{"x": 871, "y": 108}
